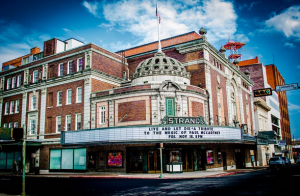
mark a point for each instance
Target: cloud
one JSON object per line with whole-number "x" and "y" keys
{"x": 177, "y": 17}
{"x": 252, "y": 4}
{"x": 289, "y": 45}
{"x": 298, "y": 66}
{"x": 288, "y": 22}
{"x": 293, "y": 107}
{"x": 67, "y": 30}
{"x": 92, "y": 7}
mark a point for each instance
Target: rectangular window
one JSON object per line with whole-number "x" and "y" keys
{"x": 12, "y": 107}
{"x": 79, "y": 95}
{"x": 10, "y": 125}
{"x": 170, "y": 106}
{"x": 19, "y": 80}
{"x": 70, "y": 67}
{"x": 17, "y": 106}
{"x": 14, "y": 82}
{"x": 71, "y": 159}
{"x": 61, "y": 69}
{"x": 58, "y": 124}
{"x": 59, "y": 98}
{"x": 8, "y": 83}
{"x": 32, "y": 127}
{"x": 68, "y": 123}
{"x": 102, "y": 115}
{"x": 16, "y": 124}
{"x": 69, "y": 96}
{"x": 50, "y": 99}
{"x": 33, "y": 103}
{"x": 35, "y": 76}
{"x": 5, "y": 125}
{"x": 6, "y": 108}
{"x": 78, "y": 122}
{"x": 49, "y": 124}
{"x": 79, "y": 64}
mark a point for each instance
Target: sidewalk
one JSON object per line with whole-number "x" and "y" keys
{"x": 184, "y": 175}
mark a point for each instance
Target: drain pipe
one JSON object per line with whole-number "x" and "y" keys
{"x": 208, "y": 96}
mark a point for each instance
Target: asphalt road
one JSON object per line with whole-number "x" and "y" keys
{"x": 273, "y": 182}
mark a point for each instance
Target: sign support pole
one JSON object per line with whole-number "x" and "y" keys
{"x": 161, "y": 165}
{"x": 23, "y": 161}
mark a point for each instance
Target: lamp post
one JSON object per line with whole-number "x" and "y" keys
{"x": 161, "y": 165}
{"x": 24, "y": 159}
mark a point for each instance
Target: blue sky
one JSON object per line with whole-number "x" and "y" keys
{"x": 267, "y": 27}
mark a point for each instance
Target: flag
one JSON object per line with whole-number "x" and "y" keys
{"x": 157, "y": 14}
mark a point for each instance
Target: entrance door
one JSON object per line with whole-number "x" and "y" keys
{"x": 239, "y": 160}
{"x": 92, "y": 160}
{"x": 224, "y": 161}
{"x": 136, "y": 162}
{"x": 188, "y": 161}
{"x": 153, "y": 162}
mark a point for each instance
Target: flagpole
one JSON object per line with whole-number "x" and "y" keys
{"x": 158, "y": 25}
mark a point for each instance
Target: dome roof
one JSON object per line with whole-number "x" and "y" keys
{"x": 160, "y": 64}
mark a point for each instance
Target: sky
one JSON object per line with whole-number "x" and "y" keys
{"x": 270, "y": 29}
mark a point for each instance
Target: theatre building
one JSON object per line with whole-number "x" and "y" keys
{"x": 88, "y": 109}
{"x": 188, "y": 99}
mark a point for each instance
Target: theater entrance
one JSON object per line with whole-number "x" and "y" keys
{"x": 153, "y": 162}
{"x": 187, "y": 161}
{"x": 136, "y": 162}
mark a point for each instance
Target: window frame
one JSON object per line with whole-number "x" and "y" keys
{"x": 7, "y": 105}
{"x": 76, "y": 122}
{"x": 10, "y": 125}
{"x": 8, "y": 84}
{"x": 77, "y": 95}
{"x": 34, "y": 97}
{"x": 69, "y": 95}
{"x": 12, "y": 107}
{"x": 16, "y": 123}
{"x": 68, "y": 117}
{"x": 14, "y": 82}
{"x": 35, "y": 127}
{"x": 17, "y": 105}
{"x": 173, "y": 106}
{"x": 58, "y": 129}
{"x": 5, "y": 125}
{"x": 35, "y": 76}
{"x": 81, "y": 64}
{"x": 70, "y": 62}
{"x": 19, "y": 80}
{"x": 59, "y": 98}
{"x": 101, "y": 115}
{"x": 60, "y": 69}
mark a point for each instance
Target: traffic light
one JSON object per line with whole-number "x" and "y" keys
{"x": 262, "y": 92}
{"x": 17, "y": 133}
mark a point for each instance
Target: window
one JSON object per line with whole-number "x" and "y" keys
{"x": 61, "y": 69}
{"x": 78, "y": 122}
{"x": 79, "y": 95}
{"x": 50, "y": 99}
{"x": 72, "y": 159}
{"x": 8, "y": 83}
{"x": 6, "y": 108}
{"x": 69, "y": 96}
{"x": 16, "y": 124}
{"x": 17, "y": 106}
{"x": 10, "y": 125}
{"x": 19, "y": 80}
{"x": 79, "y": 64}
{"x": 102, "y": 115}
{"x": 68, "y": 123}
{"x": 32, "y": 127}
{"x": 70, "y": 67}
{"x": 170, "y": 107}
{"x": 58, "y": 124}
{"x": 5, "y": 125}
{"x": 59, "y": 98}
{"x": 12, "y": 107}
{"x": 14, "y": 82}
{"x": 33, "y": 103}
{"x": 35, "y": 76}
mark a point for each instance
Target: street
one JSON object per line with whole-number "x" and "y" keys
{"x": 265, "y": 182}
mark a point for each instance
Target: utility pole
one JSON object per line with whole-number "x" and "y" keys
{"x": 161, "y": 165}
{"x": 24, "y": 160}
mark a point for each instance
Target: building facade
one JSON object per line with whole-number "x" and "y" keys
{"x": 90, "y": 109}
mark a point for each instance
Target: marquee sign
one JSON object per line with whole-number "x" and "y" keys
{"x": 183, "y": 120}
{"x": 151, "y": 134}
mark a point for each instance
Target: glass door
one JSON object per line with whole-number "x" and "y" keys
{"x": 136, "y": 162}
{"x": 153, "y": 162}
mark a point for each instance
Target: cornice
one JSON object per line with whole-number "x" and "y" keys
{"x": 260, "y": 102}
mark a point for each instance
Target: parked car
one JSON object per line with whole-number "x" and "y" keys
{"x": 276, "y": 162}
{"x": 287, "y": 161}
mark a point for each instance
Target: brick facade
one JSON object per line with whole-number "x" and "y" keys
{"x": 135, "y": 110}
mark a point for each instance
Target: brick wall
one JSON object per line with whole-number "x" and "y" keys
{"x": 71, "y": 109}
{"x": 50, "y": 47}
{"x": 15, "y": 117}
{"x": 98, "y": 85}
{"x": 135, "y": 110}
{"x": 197, "y": 109}
{"x": 197, "y": 74}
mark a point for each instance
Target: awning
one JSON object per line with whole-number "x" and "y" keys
{"x": 20, "y": 143}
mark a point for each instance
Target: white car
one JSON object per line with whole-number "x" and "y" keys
{"x": 276, "y": 162}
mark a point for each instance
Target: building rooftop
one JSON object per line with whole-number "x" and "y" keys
{"x": 249, "y": 62}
